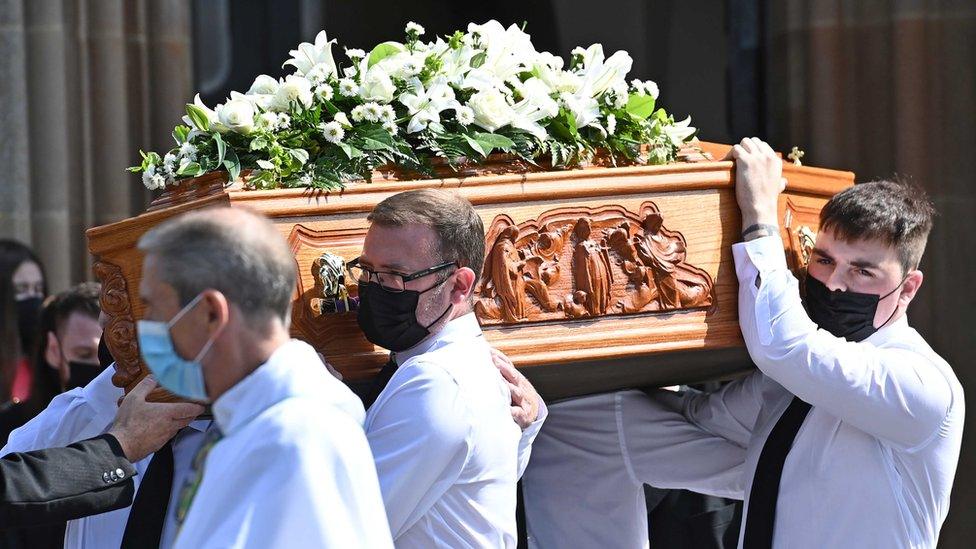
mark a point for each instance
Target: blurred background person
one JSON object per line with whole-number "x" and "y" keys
{"x": 22, "y": 291}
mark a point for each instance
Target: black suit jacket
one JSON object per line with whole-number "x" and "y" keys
{"x": 60, "y": 484}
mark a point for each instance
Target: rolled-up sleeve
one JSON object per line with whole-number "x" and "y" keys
{"x": 892, "y": 392}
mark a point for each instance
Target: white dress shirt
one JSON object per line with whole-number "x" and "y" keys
{"x": 293, "y": 468}
{"x": 873, "y": 463}
{"x": 87, "y": 412}
{"x": 871, "y": 466}
{"x": 445, "y": 445}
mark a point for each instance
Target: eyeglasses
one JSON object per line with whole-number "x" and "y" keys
{"x": 390, "y": 281}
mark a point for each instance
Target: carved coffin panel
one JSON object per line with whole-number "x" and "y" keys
{"x": 574, "y": 263}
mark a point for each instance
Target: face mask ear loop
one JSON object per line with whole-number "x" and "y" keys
{"x": 184, "y": 310}
{"x": 892, "y": 315}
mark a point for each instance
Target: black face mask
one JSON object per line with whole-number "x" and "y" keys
{"x": 389, "y": 319}
{"x": 28, "y": 322}
{"x": 849, "y": 315}
{"x": 81, "y": 373}
{"x": 105, "y": 358}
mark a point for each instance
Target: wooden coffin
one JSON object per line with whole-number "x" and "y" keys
{"x": 595, "y": 279}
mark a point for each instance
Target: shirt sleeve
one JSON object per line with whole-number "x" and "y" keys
{"x": 528, "y": 437}
{"x": 75, "y": 415}
{"x": 730, "y": 412}
{"x": 420, "y": 438}
{"x": 894, "y": 393}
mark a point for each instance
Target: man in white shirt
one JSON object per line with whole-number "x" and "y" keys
{"x": 286, "y": 460}
{"x": 286, "y": 463}
{"x": 439, "y": 421}
{"x": 850, "y": 432}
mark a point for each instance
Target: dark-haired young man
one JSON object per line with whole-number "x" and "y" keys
{"x": 848, "y": 435}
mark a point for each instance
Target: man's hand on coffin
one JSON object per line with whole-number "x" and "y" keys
{"x": 758, "y": 182}
{"x": 143, "y": 427}
{"x": 525, "y": 399}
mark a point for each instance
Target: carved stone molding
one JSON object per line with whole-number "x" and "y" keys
{"x": 587, "y": 262}
{"x": 120, "y": 330}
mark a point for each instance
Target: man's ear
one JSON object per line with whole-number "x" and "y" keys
{"x": 910, "y": 287}
{"x": 218, "y": 310}
{"x": 464, "y": 279}
{"x": 52, "y": 351}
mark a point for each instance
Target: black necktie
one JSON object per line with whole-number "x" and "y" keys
{"x": 761, "y": 515}
{"x": 148, "y": 514}
{"x": 382, "y": 378}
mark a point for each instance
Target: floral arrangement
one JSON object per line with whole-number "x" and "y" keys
{"x": 459, "y": 98}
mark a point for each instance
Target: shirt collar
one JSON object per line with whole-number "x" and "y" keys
{"x": 889, "y": 332}
{"x": 267, "y": 385}
{"x": 464, "y": 326}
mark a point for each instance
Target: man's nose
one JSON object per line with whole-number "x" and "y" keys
{"x": 836, "y": 280}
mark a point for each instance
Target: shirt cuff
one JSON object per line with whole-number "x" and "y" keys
{"x": 764, "y": 254}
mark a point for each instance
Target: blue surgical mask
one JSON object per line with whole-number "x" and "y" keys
{"x": 179, "y": 376}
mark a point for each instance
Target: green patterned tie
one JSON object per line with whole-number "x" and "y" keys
{"x": 189, "y": 490}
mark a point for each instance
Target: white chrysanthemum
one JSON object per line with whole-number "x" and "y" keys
{"x": 188, "y": 150}
{"x": 348, "y": 87}
{"x": 391, "y": 127}
{"x": 324, "y": 92}
{"x": 155, "y": 181}
{"x": 650, "y": 88}
{"x": 611, "y": 124}
{"x": 387, "y": 113}
{"x": 355, "y": 54}
{"x": 268, "y": 120}
{"x": 410, "y": 68}
{"x": 637, "y": 86}
{"x": 464, "y": 115}
{"x": 578, "y": 51}
{"x": 147, "y": 176}
{"x": 357, "y": 113}
{"x": 414, "y": 29}
{"x": 284, "y": 121}
{"x": 341, "y": 118}
{"x": 372, "y": 111}
{"x": 332, "y": 131}
{"x": 169, "y": 164}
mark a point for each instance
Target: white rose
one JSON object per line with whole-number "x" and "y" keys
{"x": 491, "y": 111}
{"x": 377, "y": 86}
{"x": 263, "y": 85}
{"x": 237, "y": 115}
{"x": 293, "y": 88}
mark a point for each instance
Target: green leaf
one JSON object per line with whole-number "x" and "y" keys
{"x": 265, "y": 164}
{"x": 478, "y": 147}
{"x": 494, "y": 141}
{"x": 383, "y": 51}
{"x": 478, "y": 60}
{"x": 232, "y": 164}
{"x": 351, "y": 152}
{"x": 258, "y": 144}
{"x": 221, "y": 148}
{"x": 198, "y": 116}
{"x": 299, "y": 155}
{"x": 330, "y": 107}
{"x": 375, "y": 138}
{"x": 180, "y": 133}
{"x": 640, "y": 106}
{"x": 190, "y": 169}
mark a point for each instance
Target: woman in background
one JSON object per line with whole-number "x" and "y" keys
{"x": 22, "y": 291}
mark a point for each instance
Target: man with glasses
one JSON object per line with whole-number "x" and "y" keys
{"x": 438, "y": 419}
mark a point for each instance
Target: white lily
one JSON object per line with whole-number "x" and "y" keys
{"x": 536, "y": 105}
{"x": 679, "y": 132}
{"x": 600, "y": 74}
{"x": 377, "y": 85}
{"x": 309, "y": 55}
{"x": 425, "y": 105}
{"x": 584, "y": 108}
{"x": 211, "y": 118}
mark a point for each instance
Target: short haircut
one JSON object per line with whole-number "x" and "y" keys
{"x": 896, "y": 213}
{"x": 236, "y": 252}
{"x": 459, "y": 229}
{"x": 80, "y": 298}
